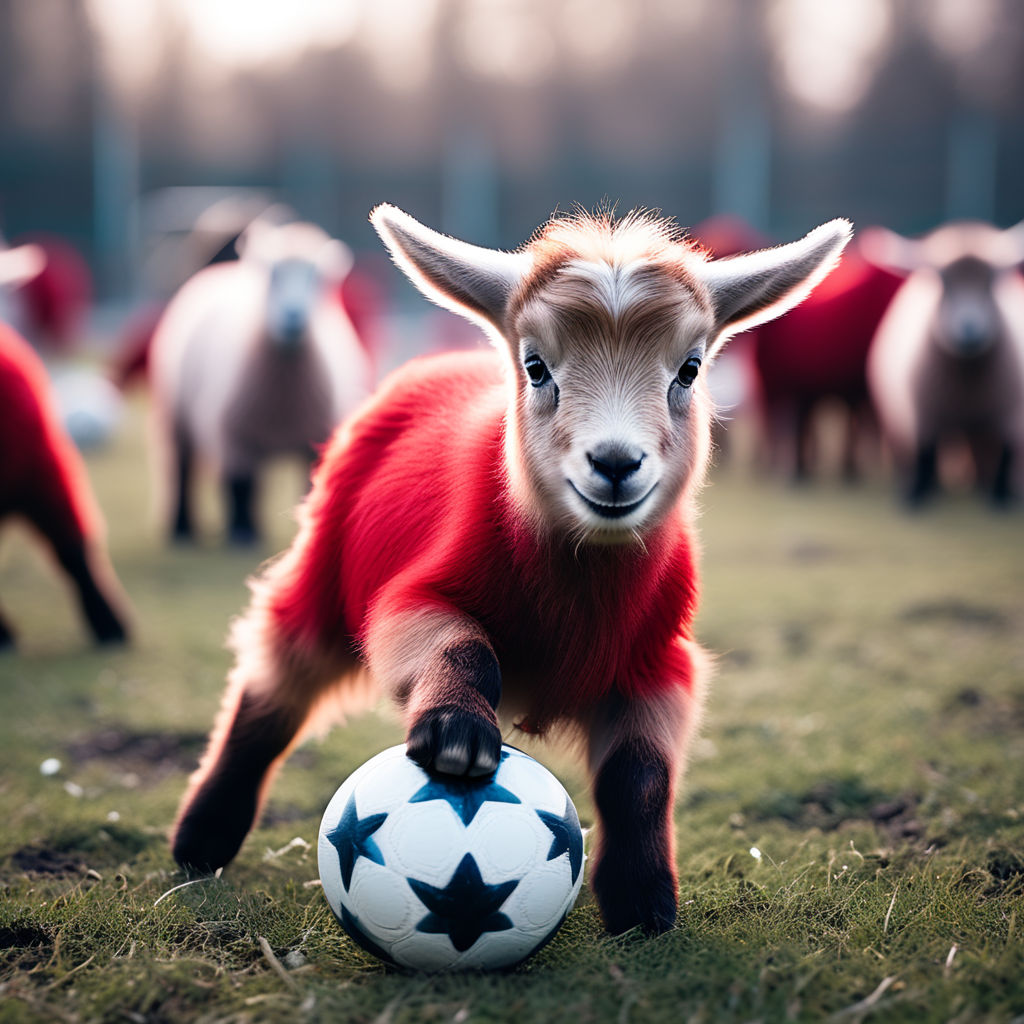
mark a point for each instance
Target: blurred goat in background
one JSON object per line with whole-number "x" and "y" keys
{"x": 947, "y": 363}
{"x": 255, "y": 358}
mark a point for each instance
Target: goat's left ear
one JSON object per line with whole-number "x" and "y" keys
{"x": 467, "y": 279}
{"x": 755, "y": 287}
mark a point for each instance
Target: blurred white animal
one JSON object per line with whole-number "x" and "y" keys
{"x": 947, "y": 361}
{"x": 253, "y": 359}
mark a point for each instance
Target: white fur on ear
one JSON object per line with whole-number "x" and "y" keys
{"x": 467, "y": 279}
{"x": 755, "y": 287}
{"x": 20, "y": 264}
{"x": 1014, "y": 241}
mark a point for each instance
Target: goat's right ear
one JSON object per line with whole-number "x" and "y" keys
{"x": 467, "y": 279}
{"x": 755, "y": 287}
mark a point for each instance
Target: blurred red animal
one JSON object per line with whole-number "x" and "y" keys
{"x": 43, "y": 480}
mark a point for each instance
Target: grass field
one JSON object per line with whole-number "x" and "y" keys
{"x": 865, "y": 733}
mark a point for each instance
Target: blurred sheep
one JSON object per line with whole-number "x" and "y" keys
{"x": 947, "y": 362}
{"x": 252, "y": 359}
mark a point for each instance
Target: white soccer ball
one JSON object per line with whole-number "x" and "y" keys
{"x": 439, "y": 873}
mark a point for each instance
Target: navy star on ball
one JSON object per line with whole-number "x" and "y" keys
{"x": 351, "y": 837}
{"x": 465, "y": 795}
{"x": 466, "y": 907}
{"x": 566, "y": 836}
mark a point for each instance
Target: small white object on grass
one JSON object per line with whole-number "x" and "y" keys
{"x": 755, "y": 853}
{"x": 50, "y": 766}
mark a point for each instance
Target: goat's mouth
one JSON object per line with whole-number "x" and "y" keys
{"x": 616, "y": 511}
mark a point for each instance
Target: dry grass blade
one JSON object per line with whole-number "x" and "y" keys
{"x": 275, "y": 965}
{"x": 888, "y": 913}
{"x": 866, "y": 1004}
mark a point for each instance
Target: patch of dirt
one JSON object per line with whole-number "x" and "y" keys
{"x": 22, "y": 936}
{"x": 37, "y": 859}
{"x": 1003, "y": 873}
{"x": 160, "y": 753}
{"x": 1005, "y": 866}
{"x": 987, "y": 714}
{"x": 76, "y": 851}
{"x": 953, "y": 610}
{"x": 833, "y": 802}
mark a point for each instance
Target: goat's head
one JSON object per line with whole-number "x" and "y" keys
{"x": 301, "y": 263}
{"x": 608, "y": 327}
{"x": 964, "y": 263}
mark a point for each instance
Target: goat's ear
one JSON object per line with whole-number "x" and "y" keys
{"x": 892, "y": 252}
{"x": 20, "y": 264}
{"x": 1013, "y": 239}
{"x": 466, "y": 279}
{"x": 335, "y": 260}
{"x": 758, "y": 286}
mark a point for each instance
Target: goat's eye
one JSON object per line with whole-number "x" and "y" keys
{"x": 536, "y": 371}
{"x": 688, "y": 371}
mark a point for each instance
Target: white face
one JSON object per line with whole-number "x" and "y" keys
{"x": 295, "y": 288}
{"x": 612, "y": 411}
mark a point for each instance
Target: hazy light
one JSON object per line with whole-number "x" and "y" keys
{"x": 506, "y": 39}
{"x": 961, "y": 27}
{"x": 828, "y": 49}
{"x": 130, "y": 33}
{"x": 245, "y": 34}
{"x": 399, "y": 36}
{"x": 599, "y": 33}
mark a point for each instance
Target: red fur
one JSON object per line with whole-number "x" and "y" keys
{"x": 819, "y": 349}
{"x": 41, "y": 473}
{"x": 410, "y": 508}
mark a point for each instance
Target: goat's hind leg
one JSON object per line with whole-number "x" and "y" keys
{"x": 272, "y": 690}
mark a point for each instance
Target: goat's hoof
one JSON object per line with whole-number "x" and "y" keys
{"x": 451, "y": 741}
{"x": 628, "y": 901}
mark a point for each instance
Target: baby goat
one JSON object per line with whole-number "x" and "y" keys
{"x": 512, "y": 532}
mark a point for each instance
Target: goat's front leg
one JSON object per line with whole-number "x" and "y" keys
{"x": 440, "y": 667}
{"x": 637, "y": 750}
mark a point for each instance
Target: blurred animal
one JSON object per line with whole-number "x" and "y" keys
{"x": 947, "y": 361}
{"x": 513, "y": 530}
{"x": 55, "y": 301}
{"x": 42, "y": 479}
{"x": 252, "y": 359}
{"x": 817, "y": 354}
{"x": 18, "y": 265}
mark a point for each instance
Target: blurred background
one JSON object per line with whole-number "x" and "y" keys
{"x": 482, "y": 116}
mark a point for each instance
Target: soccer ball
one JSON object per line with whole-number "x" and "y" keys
{"x": 439, "y": 873}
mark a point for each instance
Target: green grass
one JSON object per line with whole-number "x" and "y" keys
{"x": 865, "y": 732}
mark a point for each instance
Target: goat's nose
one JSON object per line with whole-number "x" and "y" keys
{"x": 615, "y": 462}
